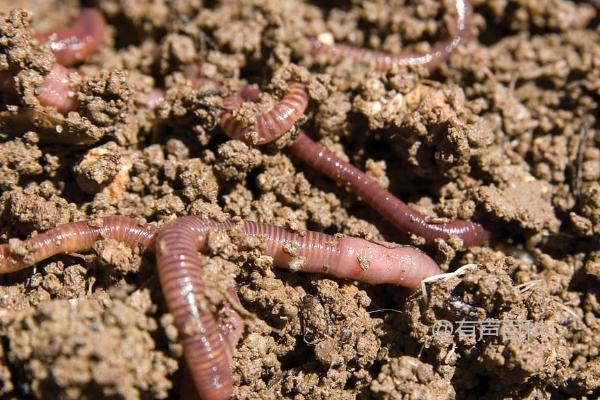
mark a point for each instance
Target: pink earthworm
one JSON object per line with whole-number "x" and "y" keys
{"x": 73, "y": 44}
{"x": 76, "y": 237}
{"x": 207, "y": 345}
{"x": 205, "y": 349}
{"x": 69, "y": 45}
{"x": 231, "y": 328}
{"x": 269, "y": 125}
{"x": 439, "y": 53}
{"x": 322, "y": 160}
{"x": 154, "y": 98}
{"x": 55, "y": 91}
{"x": 80, "y": 236}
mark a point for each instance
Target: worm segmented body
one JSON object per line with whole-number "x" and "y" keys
{"x": 344, "y": 257}
{"x": 270, "y": 125}
{"x": 385, "y": 203}
{"x": 207, "y": 344}
{"x": 321, "y": 159}
{"x": 205, "y": 350}
{"x": 69, "y": 45}
{"x": 439, "y": 53}
{"x": 77, "y": 237}
{"x": 204, "y": 347}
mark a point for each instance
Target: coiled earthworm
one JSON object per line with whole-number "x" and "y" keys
{"x": 270, "y": 125}
{"x": 439, "y": 53}
{"x": 382, "y": 201}
{"x": 70, "y": 45}
{"x": 322, "y": 160}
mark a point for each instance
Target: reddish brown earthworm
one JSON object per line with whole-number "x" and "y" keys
{"x": 322, "y": 160}
{"x": 205, "y": 349}
{"x": 270, "y": 125}
{"x": 439, "y": 52}
{"x": 211, "y": 338}
{"x": 385, "y": 203}
{"x": 206, "y": 344}
{"x": 231, "y": 328}
{"x": 76, "y": 237}
{"x": 69, "y": 45}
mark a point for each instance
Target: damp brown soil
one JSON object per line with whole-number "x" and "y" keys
{"x": 505, "y": 133}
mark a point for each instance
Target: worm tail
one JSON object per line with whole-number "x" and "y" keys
{"x": 76, "y": 237}
{"x": 384, "y": 202}
{"x": 439, "y": 53}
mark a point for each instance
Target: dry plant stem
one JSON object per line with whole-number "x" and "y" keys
{"x": 439, "y": 53}
{"x": 69, "y": 45}
{"x": 270, "y": 125}
{"x": 385, "y": 203}
{"x": 77, "y": 237}
{"x": 232, "y": 326}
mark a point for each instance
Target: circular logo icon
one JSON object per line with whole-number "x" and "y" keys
{"x": 442, "y": 329}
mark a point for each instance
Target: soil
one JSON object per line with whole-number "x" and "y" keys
{"x": 504, "y": 133}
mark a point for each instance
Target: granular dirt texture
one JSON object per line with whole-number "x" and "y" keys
{"x": 505, "y": 133}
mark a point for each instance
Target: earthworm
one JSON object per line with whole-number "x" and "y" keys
{"x": 231, "y": 328}
{"x": 74, "y": 43}
{"x": 322, "y": 160}
{"x": 207, "y": 345}
{"x": 56, "y": 90}
{"x": 439, "y": 53}
{"x": 80, "y": 236}
{"x": 205, "y": 349}
{"x": 154, "y": 98}
{"x": 69, "y": 45}
{"x": 270, "y": 125}
{"x": 382, "y": 201}
{"x": 76, "y": 237}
